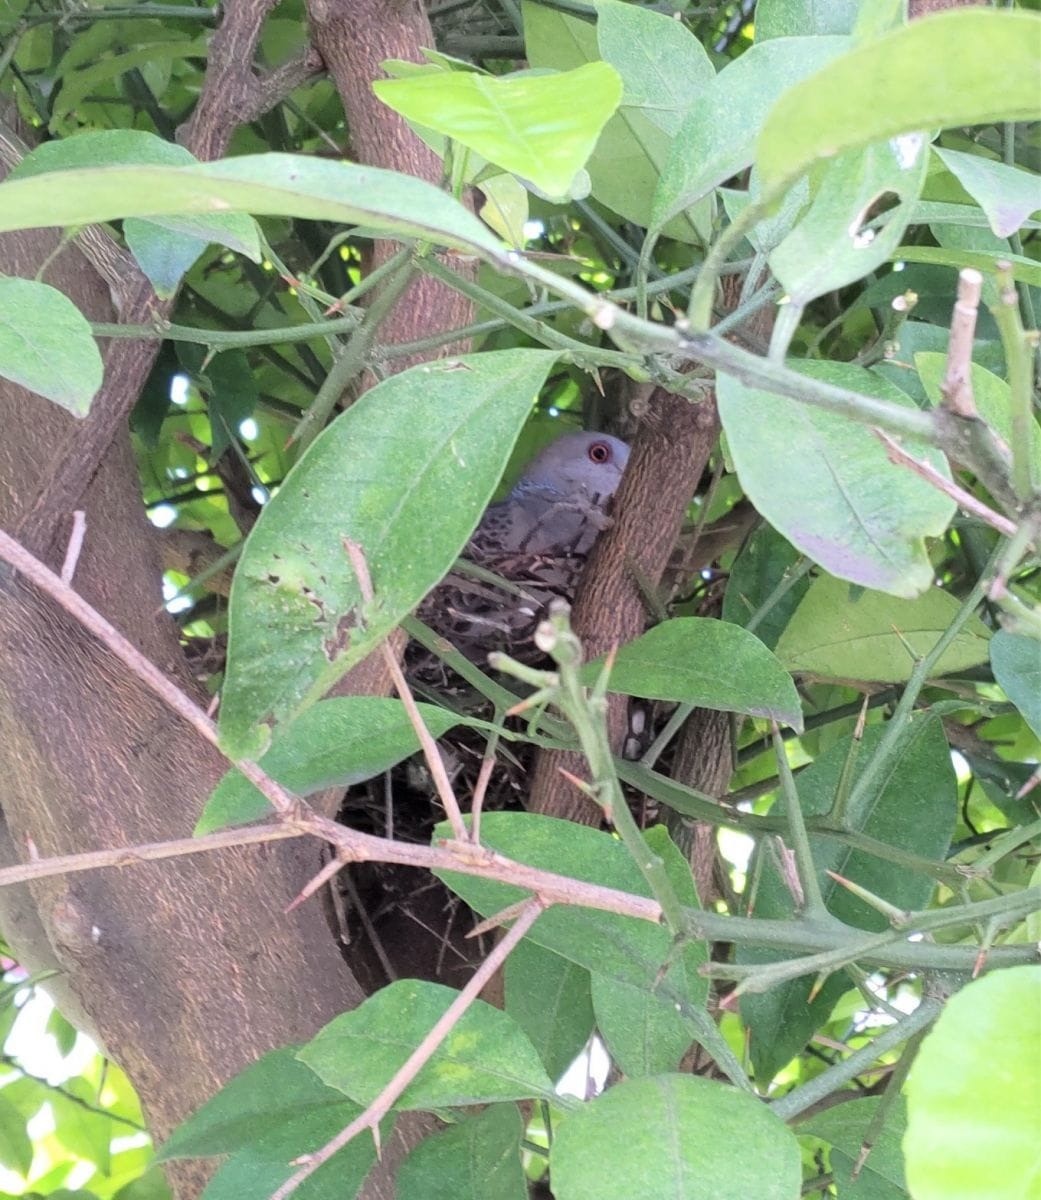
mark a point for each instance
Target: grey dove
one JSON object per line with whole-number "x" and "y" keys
{"x": 536, "y": 539}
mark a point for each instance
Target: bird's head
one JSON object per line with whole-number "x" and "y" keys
{"x": 577, "y": 466}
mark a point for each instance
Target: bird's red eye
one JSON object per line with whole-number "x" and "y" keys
{"x": 599, "y": 452}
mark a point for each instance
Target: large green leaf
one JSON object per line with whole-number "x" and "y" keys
{"x": 46, "y": 344}
{"x": 972, "y": 1095}
{"x": 836, "y": 634}
{"x": 662, "y": 66}
{"x": 717, "y": 137}
{"x": 268, "y": 1115}
{"x": 405, "y": 473}
{"x": 485, "y": 1058}
{"x": 903, "y": 82}
{"x": 674, "y": 1136}
{"x": 478, "y": 1159}
{"x": 789, "y": 18}
{"x": 541, "y": 127}
{"x": 135, "y": 147}
{"x": 642, "y": 1035}
{"x": 826, "y": 483}
{"x": 832, "y": 246}
{"x": 697, "y": 660}
{"x": 548, "y": 997}
{"x": 912, "y": 806}
{"x": 621, "y": 948}
{"x": 274, "y": 184}
{"x": 336, "y": 743}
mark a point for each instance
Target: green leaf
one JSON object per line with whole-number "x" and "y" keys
{"x": 1024, "y": 270}
{"x": 1016, "y": 661}
{"x": 478, "y": 1159}
{"x": 901, "y": 83}
{"x": 633, "y": 146}
{"x": 833, "y": 245}
{"x": 664, "y": 70}
{"x": 485, "y": 1058}
{"x": 642, "y": 1035}
{"x": 677, "y": 1136}
{"x": 760, "y": 568}
{"x": 619, "y": 948}
{"x": 541, "y": 127}
{"x": 406, "y": 473}
{"x": 261, "y": 1099}
{"x": 231, "y": 394}
{"x": 46, "y": 345}
{"x": 788, "y": 18}
{"x": 1006, "y": 194}
{"x": 698, "y": 660}
{"x": 549, "y": 999}
{"x": 164, "y": 257}
{"x": 826, "y": 483}
{"x": 16, "y": 1147}
{"x": 836, "y": 635}
{"x": 269, "y": 1114}
{"x": 845, "y": 1127}
{"x": 122, "y": 147}
{"x": 913, "y": 807}
{"x": 717, "y": 137}
{"x": 337, "y": 743}
{"x": 987, "y": 1046}
{"x": 275, "y": 184}
{"x": 663, "y": 66}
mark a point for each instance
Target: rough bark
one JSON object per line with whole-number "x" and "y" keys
{"x": 189, "y": 969}
{"x": 354, "y": 38}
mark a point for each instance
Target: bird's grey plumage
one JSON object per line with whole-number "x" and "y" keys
{"x": 536, "y": 539}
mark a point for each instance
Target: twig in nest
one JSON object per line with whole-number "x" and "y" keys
{"x": 431, "y": 754}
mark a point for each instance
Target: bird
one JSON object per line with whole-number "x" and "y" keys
{"x": 528, "y": 547}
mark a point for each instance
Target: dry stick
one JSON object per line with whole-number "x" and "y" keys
{"x": 480, "y": 788}
{"x": 128, "y": 856}
{"x": 964, "y": 499}
{"x": 957, "y": 381}
{"x": 434, "y": 761}
{"x": 75, "y": 546}
{"x": 379, "y": 1108}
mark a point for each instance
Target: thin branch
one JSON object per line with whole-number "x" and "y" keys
{"x": 965, "y": 500}
{"x": 957, "y": 381}
{"x": 1020, "y": 349}
{"x": 435, "y": 763}
{"x": 802, "y": 1098}
{"x": 419, "y": 1057}
{"x": 129, "y": 856}
{"x": 813, "y": 900}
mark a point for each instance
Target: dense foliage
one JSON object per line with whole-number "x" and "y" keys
{"x": 776, "y": 216}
